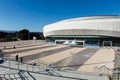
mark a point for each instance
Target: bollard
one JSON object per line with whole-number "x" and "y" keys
{"x": 27, "y": 67}
{"x": 9, "y": 63}
{"x": 32, "y": 67}
{"x": 18, "y": 65}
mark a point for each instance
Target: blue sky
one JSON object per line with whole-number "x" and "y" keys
{"x": 34, "y": 14}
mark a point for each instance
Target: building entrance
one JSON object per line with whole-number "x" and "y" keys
{"x": 107, "y": 43}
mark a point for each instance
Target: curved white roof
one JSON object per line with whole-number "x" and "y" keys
{"x": 94, "y": 25}
{"x": 91, "y": 18}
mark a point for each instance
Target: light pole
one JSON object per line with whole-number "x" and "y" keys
{"x": 28, "y": 35}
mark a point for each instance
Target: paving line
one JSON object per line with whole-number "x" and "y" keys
{"x": 35, "y": 51}
{"x": 103, "y": 55}
{"x": 61, "y": 55}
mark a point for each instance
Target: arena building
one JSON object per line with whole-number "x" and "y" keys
{"x": 94, "y": 30}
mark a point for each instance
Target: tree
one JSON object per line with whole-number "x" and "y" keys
{"x": 23, "y": 34}
{"x": 2, "y": 35}
{"x": 38, "y": 35}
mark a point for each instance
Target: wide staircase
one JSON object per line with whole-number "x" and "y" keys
{"x": 21, "y": 75}
{"x": 39, "y": 70}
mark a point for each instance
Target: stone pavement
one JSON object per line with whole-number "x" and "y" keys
{"x": 102, "y": 58}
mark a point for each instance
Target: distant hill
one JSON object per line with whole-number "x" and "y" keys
{"x": 8, "y": 31}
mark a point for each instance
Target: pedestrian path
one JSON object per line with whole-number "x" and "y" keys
{"x": 24, "y": 48}
{"x": 45, "y": 53}
{"x": 35, "y": 51}
{"x": 61, "y": 55}
{"x": 102, "y": 58}
{"x": 76, "y": 60}
{"x": 10, "y": 45}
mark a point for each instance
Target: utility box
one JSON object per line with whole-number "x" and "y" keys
{"x": 34, "y": 38}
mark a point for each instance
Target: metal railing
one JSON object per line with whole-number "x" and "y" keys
{"x": 35, "y": 66}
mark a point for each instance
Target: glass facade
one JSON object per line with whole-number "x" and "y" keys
{"x": 89, "y": 39}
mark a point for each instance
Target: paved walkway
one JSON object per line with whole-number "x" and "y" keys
{"x": 61, "y": 55}
{"x": 26, "y": 49}
{"x": 76, "y": 60}
{"x": 103, "y": 57}
{"x": 35, "y": 56}
{"x": 35, "y": 51}
{"x": 10, "y": 45}
{"x": 22, "y": 48}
